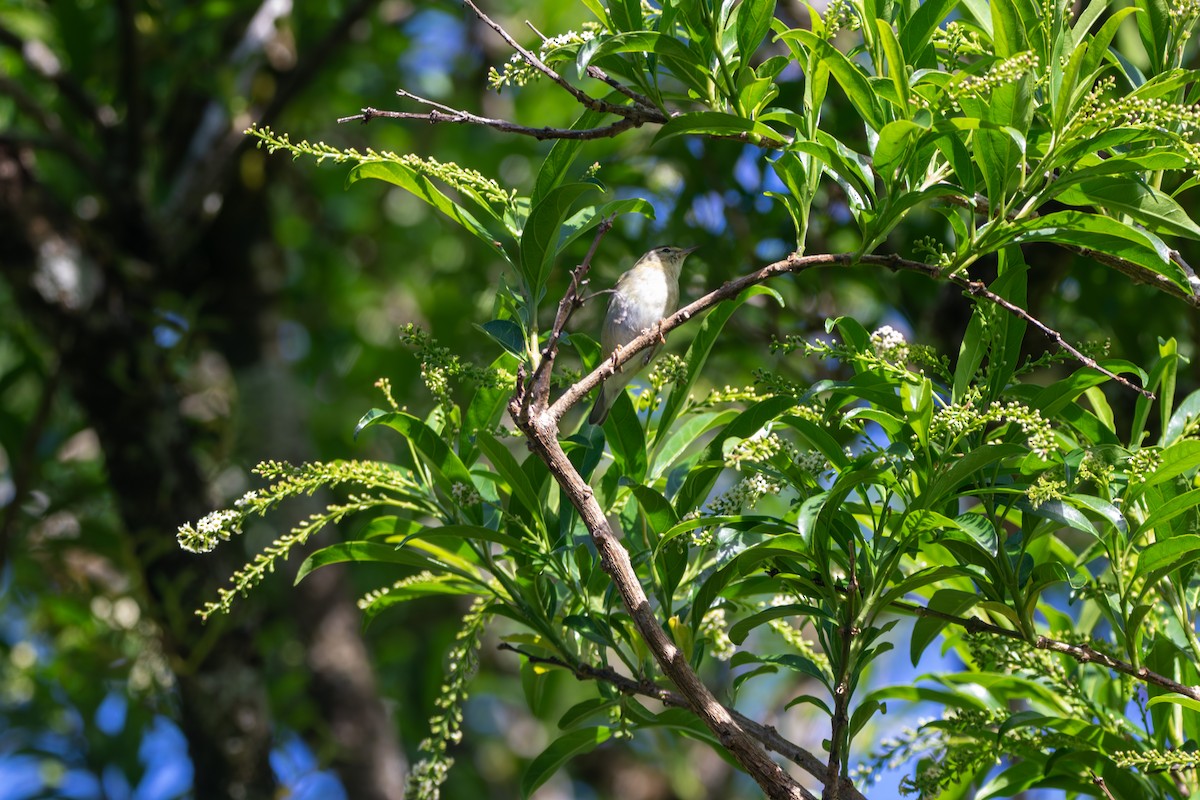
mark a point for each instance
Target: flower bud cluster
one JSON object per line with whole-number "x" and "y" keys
{"x": 714, "y": 628}
{"x": 445, "y": 727}
{"x": 955, "y": 420}
{"x": 517, "y": 71}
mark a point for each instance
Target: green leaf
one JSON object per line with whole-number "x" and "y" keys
{"x": 686, "y": 436}
{"x": 1130, "y": 195}
{"x": 951, "y": 602}
{"x": 897, "y": 67}
{"x": 753, "y": 23}
{"x": 419, "y": 186}
{"x": 442, "y": 462}
{"x": 476, "y": 533}
{"x": 539, "y": 239}
{"x": 374, "y": 552}
{"x": 484, "y": 411}
{"x": 556, "y": 165}
{"x": 625, "y": 436}
{"x": 848, "y": 75}
{"x": 1102, "y": 235}
{"x": 717, "y": 123}
{"x": 629, "y": 42}
{"x": 1162, "y": 513}
{"x": 894, "y": 147}
{"x": 1175, "y": 700}
{"x": 507, "y": 334}
{"x": 741, "y": 629}
{"x": 659, "y": 512}
{"x": 963, "y": 468}
{"x": 588, "y": 217}
{"x": 1169, "y": 554}
{"x": 916, "y": 33}
{"x": 563, "y": 749}
{"x": 1179, "y": 458}
{"x": 506, "y": 464}
{"x": 439, "y": 585}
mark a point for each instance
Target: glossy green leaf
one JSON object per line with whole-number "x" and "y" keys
{"x": 442, "y": 462}
{"x": 625, "y": 436}
{"x": 557, "y": 164}
{"x": 560, "y": 751}
{"x": 510, "y": 471}
{"x": 717, "y": 123}
{"x": 1171, "y": 553}
{"x": 421, "y": 187}
{"x": 848, "y": 75}
{"x": 540, "y": 237}
{"x": 753, "y": 23}
{"x": 1132, "y": 196}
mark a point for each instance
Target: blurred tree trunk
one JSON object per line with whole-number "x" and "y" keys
{"x": 91, "y": 288}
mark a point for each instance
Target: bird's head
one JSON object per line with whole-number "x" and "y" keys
{"x": 668, "y": 257}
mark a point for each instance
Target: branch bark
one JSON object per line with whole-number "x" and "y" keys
{"x": 541, "y": 431}
{"x": 1082, "y": 653}
{"x": 794, "y": 264}
{"x": 769, "y": 736}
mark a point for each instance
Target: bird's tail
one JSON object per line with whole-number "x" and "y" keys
{"x": 600, "y": 410}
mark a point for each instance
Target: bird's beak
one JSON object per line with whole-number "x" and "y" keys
{"x": 690, "y": 250}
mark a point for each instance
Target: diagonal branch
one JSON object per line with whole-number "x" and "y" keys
{"x": 1082, "y": 653}
{"x": 530, "y": 414}
{"x": 583, "y": 97}
{"x": 795, "y": 263}
{"x": 979, "y": 289}
{"x": 595, "y": 72}
{"x": 770, "y": 738}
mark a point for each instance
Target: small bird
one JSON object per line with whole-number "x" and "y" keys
{"x": 643, "y": 297}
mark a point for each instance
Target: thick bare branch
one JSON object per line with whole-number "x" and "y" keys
{"x": 541, "y": 432}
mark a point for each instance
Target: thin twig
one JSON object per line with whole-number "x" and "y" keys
{"x": 583, "y": 97}
{"x": 792, "y": 264}
{"x": 1082, "y": 653}
{"x": 979, "y": 289}
{"x": 1102, "y": 786}
{"x": 467, "y": 118}
{"x": 540, "y": 382}
{"x": 769, "y": 736}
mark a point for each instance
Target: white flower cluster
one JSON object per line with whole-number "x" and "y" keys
{"x": 890, "y": 345}
{"x": 212, "y": 528}
{"x": 464, "y": 495}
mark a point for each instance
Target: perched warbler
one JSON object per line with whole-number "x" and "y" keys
{"x": 643, "y": 297}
